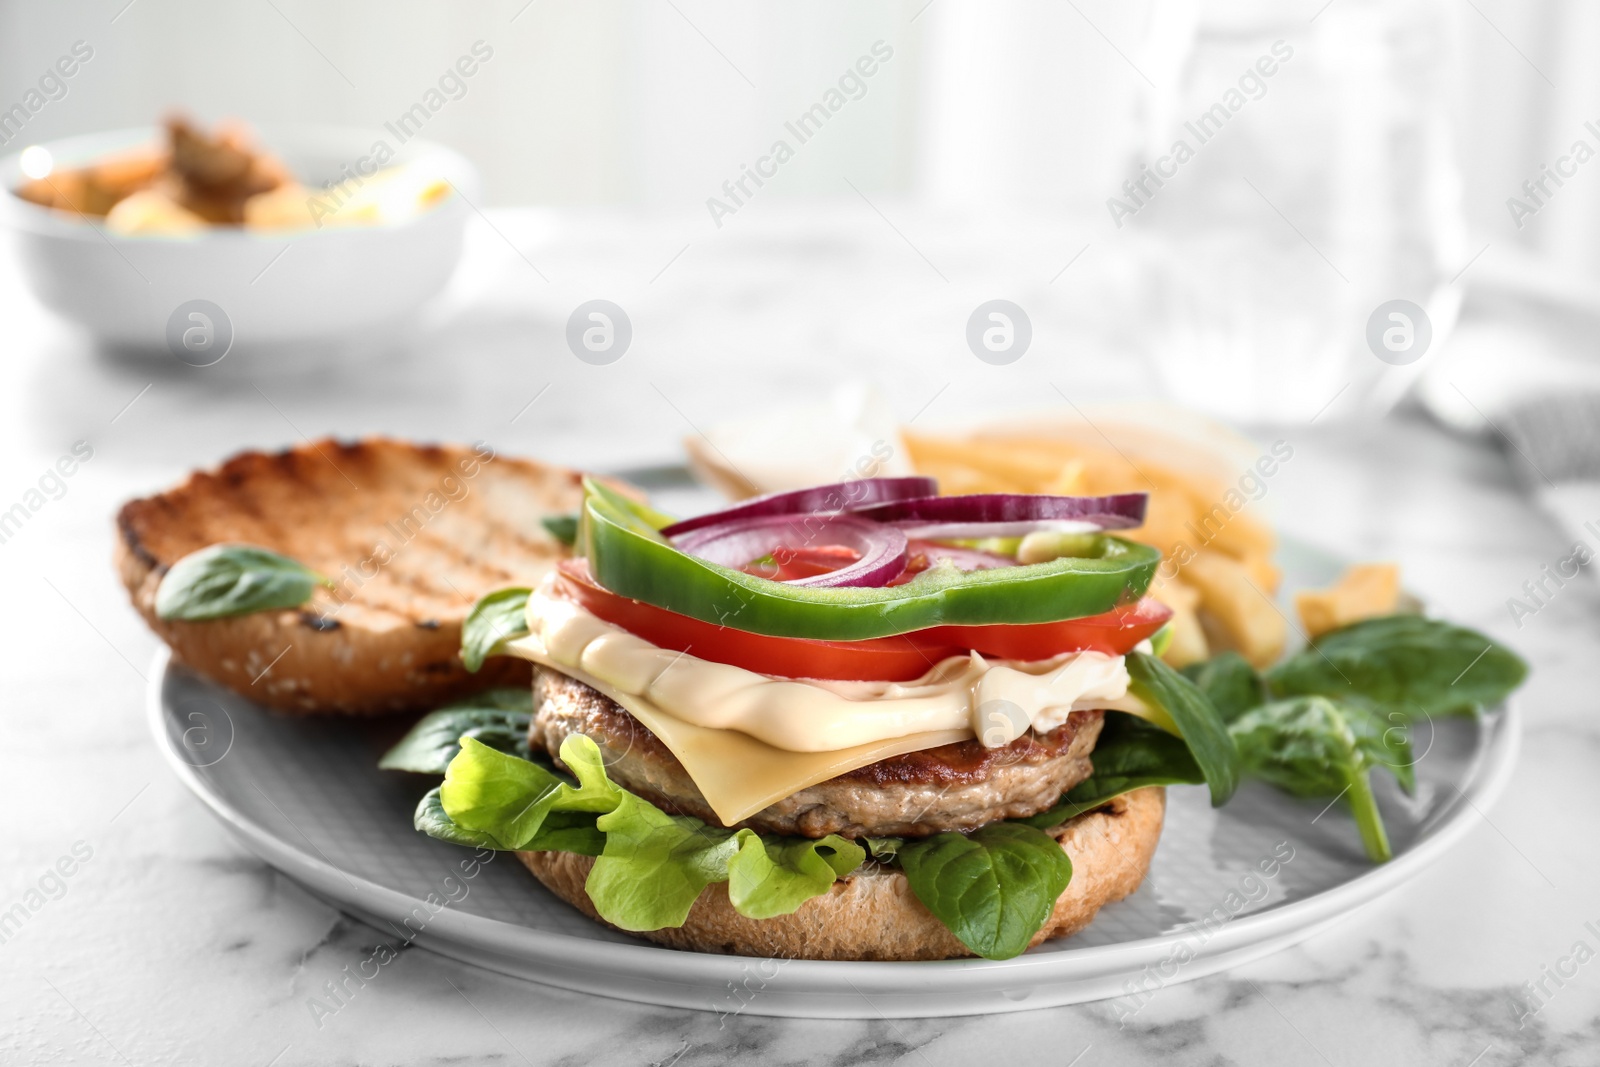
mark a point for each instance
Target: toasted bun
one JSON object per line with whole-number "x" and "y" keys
{"x": 411, "y": 534}
{"x": 872, "y": 914}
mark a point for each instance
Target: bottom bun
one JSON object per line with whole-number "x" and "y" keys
{"x": 873, "y": 915}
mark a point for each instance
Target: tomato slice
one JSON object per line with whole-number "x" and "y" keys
{"x": 1114, "y": 633}
{"x": 787, "y": 564}
{"x": 902, "y": 658}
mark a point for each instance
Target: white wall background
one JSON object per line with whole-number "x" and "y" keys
{"x": 987, "y": 104}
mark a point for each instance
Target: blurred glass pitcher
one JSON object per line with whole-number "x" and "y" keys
{"x": 1296, "y": 182}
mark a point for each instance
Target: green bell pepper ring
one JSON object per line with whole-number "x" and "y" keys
{"x": 629, "y": 556}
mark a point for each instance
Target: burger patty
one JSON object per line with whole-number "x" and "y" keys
{"x": 958, "y": 786}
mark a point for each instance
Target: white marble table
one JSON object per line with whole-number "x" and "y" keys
{"x": 170, "y": 945}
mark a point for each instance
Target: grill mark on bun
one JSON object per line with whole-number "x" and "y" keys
{"x": 389, "y": 633}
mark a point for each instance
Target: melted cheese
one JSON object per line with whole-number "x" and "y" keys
{"x": 737, "y": 774}
{"x": 748, "y": 740}
{"x": 995, "y": 702}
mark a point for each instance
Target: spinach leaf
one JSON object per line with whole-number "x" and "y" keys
{"x": 431, "y": 820}
{"x": 219, "y": 581}
{"x": 498, "y": 718}
{"x": 563, "y": 528}
{"x": 1404, "y": 662}
{"x": 1317, "y": 747}
{"x": 993, "y": 888}
{"x": 499, "y": 616}
{"x": 1129, "y": 755}
{"x": 1192, "y": 717}
{"x": 1384, "y": 738}
{"x": 1230, "y": 682}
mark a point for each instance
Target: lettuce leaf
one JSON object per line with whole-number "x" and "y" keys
{"x": 509, "y": 798}
{"x": 774, "y": 876}
{"x": 649, "y": 866}
{"x": 654, "y": 865}
{"x": 883, "y": 849}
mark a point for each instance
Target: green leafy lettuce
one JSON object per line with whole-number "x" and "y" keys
{"x": 649, "y": 866}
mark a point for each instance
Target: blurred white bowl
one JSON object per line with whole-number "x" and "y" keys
{"x": 320, "y": 284}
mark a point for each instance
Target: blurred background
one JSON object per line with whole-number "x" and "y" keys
{"x": 996, "y": 151}
{"x": 1270, "y": 212}
{"x": 1276, "y": 212}
{"x": 994, "y": 108}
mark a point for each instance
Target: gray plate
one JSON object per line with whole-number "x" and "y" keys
{"x": 305, "y": 795}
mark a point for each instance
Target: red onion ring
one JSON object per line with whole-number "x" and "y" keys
{"x": 824, "y": 499}
{"x": 975, "y": 531}
{"x": 736, "y": 543}
{"x": 1008, "y": 514}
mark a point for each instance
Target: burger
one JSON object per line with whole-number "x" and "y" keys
{"x": 861, "y": 721}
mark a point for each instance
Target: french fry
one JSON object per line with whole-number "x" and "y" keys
{"x": 1238, "y": 533}
{"x": 1194, "y": 516}
{"x": 1021, "y": 466}
{"x": 1364, "y": 591}
{"x": 959, "y": 478}
{"x": 1188, "y": 638}
{"x": 1264, "y": 573}
{"x": 1240, "y": 614}
{"x": 1069, "y": 481}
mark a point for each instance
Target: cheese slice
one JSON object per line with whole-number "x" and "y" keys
{"x": 996, "y": 701}
{"x": 736, "y": 773}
